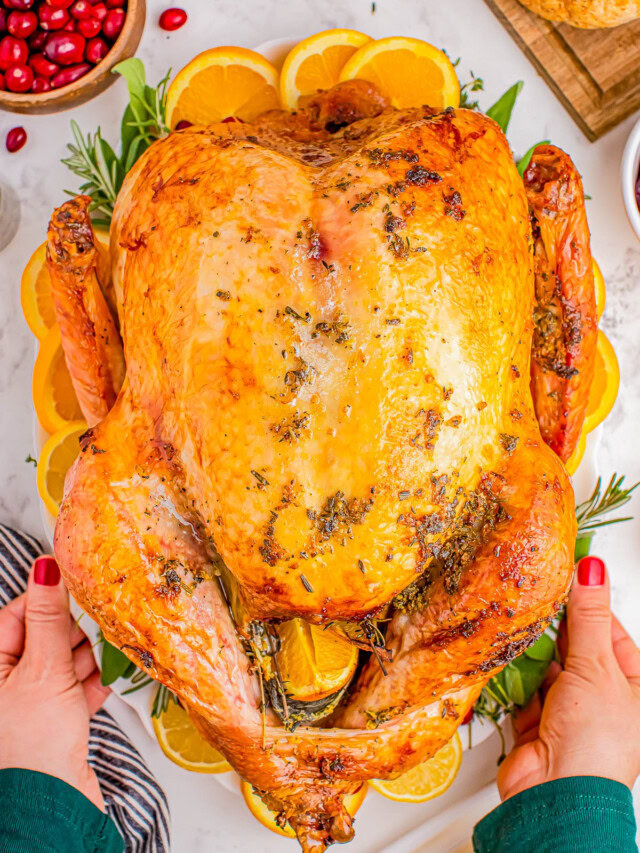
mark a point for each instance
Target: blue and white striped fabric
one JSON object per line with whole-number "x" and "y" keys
{"x": 133, "y": 798}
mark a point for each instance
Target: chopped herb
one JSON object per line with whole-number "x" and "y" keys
{"x": 33, "y": 461}
{"x": 293, "y": 313}
{"x": 261, "y": 480}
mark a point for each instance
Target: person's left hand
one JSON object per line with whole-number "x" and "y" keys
{"x": 49, "y": 684}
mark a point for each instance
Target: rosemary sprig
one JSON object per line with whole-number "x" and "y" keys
{"x": 93, "y": 159}
{"x": 589, "y": 513}
{"x": 161, "y": 700}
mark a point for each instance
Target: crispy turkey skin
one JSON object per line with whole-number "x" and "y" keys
{"x": 328, "y": 341}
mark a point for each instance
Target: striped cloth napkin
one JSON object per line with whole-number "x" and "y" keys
{"x": 133, "y": 798}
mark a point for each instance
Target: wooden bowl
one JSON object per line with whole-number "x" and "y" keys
{"x": 92, "y": 83}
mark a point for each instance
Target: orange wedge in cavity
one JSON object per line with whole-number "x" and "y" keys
{"x": 316, "y": 63}
{"x": 54, "y": 399}
{"x": 409, "y": 71}
{"x": 35, "y": 289}
{"x": 269, "y": 819}
{"x": 427, "y": 780}
{"x": 223, "y": 82}
{"x": 604, "y": 388}
{"x": 58, "y": 455}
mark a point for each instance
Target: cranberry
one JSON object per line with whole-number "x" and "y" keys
{"x": 114, "y": 4}
{"x": 467, "y": 717}
{"x": 60, "y": 4}
{"x": 41, "y": 65}
{"x": 99, "y": 11}
{"x": 3, "y": 19}
{"x": 2, "y": 83}
{"x": 16, "y": 138}
{"x": 113, "y": 23}
{"x": 52, "y": 19}
{"x": 183, "y": 123}
{"x": 96, "y": 50}
{"x": 173, "y": 19}
{"x": 21, "y": 5}
{"x": 89, "y": 28}
{"x": 38, "y": 39}
{"x": 81, "y": 10}
{"x": 69, "y": 27}
{"x": 65, "y": 48}
{"x": 69, "y": 75}
{"x": 13, "y": 51}
{"x": 22, "y": 24}
{"x": 19, "y": 78}
{"x": 40, "y": 84}
{"x": 230, "y": 119}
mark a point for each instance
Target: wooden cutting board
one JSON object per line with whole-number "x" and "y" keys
{"x": 595, "y": 73}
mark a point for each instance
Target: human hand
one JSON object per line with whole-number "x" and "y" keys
{"x": 588, "y": 722}
{"x": 49, "y": 684}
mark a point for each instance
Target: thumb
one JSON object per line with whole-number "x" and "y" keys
{"x": 47, "y": 642}
{"x": 589, "y": 615}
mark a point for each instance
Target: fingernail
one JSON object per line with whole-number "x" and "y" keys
{"x": 591, "y": 571}
{"x": 46, "y": 571}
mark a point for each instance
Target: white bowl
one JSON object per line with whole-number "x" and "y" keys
{"x": 630, "y": 166}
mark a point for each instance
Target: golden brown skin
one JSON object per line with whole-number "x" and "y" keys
{"x": 589, "y": 14}
{"x": 90, "y": 338}
{"x": 565, "y": 333}
{"x": 328, "y": 346}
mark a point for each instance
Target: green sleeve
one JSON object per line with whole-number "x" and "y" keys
{"x": 581, "y": 814}
{"x": 42, "y": 813}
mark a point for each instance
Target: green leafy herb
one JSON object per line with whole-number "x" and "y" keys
{"x": 92, "y": 158}
{"x": 524, "y": 161}
{"x": 503, "y": 107}
{"x": 115, "y": 664}
{"x": 33, "y": 461}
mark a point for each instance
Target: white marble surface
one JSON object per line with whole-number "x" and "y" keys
{"x": 207, "y": 817}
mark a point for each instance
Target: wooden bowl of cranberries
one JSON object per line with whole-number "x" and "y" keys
{"x": 59, "y": 53}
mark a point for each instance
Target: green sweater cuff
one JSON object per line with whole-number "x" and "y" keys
{"x": 42, "y": 813}
{"x": 580, "y": 814}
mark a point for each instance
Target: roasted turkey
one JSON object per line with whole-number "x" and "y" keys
{"x": 358, "y": 349}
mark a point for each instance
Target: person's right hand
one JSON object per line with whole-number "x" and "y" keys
{"x": 49, "y": 684}
{"x": 589, "y": 722}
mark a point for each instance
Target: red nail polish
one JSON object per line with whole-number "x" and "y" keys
{"x": 46, "y": 571}
{"x": 591, "y": 571}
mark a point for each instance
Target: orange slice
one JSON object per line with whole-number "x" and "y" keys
{"x": 268, "y": 818}
{"x": 222, "y": 82}
{"x": 573, "y": 462}
{"x": 427, "y": 780}
{"x": 183, "y": 744}
{"x": 58, "y": 455}
{"x": 601, "y": 294}
{"x": 316, "y": 63}
{"x": 409, "y": 71}
{"x": 604, "y": 388}
{"x": 54, "y": 399}
{"x": 35, "y": 289}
